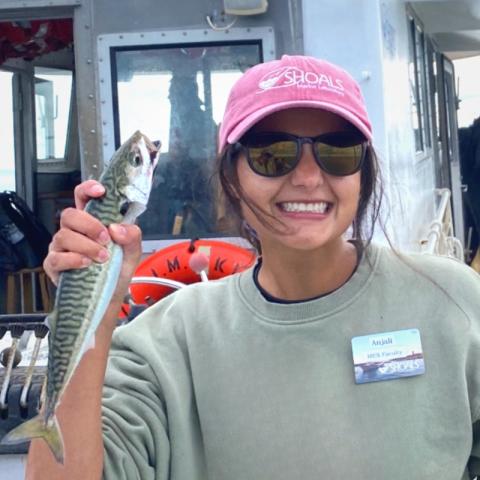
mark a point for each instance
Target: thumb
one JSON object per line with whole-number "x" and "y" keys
{"x": 129, "y": 237}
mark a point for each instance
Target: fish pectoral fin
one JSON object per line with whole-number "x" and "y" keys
{"x": 36, "y": 428}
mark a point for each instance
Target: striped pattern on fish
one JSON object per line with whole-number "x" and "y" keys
{"x": 83, "y": 298}
{"x": 83, "y": 295}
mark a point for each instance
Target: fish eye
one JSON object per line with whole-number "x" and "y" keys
{"x": 136, "y": 160}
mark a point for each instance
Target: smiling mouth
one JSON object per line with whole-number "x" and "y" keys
{"x": 301, "y": 207}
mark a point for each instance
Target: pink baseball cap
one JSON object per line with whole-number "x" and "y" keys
{"x": 292, "y": 81}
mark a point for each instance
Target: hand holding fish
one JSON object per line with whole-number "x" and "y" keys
{"x": 82, "y": 239}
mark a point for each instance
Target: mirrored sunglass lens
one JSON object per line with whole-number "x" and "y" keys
{"x": 273, "y": 160}
{"x": 339, "y": 160}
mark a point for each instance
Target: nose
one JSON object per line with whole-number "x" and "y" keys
{"x": 307, "y": 173}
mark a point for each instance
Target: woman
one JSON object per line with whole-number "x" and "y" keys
{"x": 274, "y": 373}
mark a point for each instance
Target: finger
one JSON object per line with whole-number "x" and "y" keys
{"x": 86, "y": 190}
{"x": 57, "y": 262}
{"x": 128, "y": 236}
{"x": 66, "y": 240}
{"x": 85, "y": 224}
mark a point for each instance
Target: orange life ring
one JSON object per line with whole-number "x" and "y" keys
{"x": 173, "y": 263}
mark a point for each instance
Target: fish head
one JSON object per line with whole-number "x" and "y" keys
{"x": 142, "y": 158}
{"x": 131, "y": 171}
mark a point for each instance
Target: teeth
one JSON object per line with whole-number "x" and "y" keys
{"x": 320, "y": 207}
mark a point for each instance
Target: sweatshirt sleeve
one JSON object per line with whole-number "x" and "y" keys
{"x": 473, "y": 378}
{"x": 469, "y": 294}
{"x": 135, "y": 430}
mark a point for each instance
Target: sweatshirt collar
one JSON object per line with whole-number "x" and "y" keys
{"x": 308, "y": 310}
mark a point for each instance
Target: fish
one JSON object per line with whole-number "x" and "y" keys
{"x": 83, "y": 294}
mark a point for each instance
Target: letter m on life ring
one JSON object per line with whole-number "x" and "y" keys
{"x": 173, "y": 265}
{"x": 219, "y": 264}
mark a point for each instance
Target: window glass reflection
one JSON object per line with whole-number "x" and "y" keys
{"x": 177, "y": 94}
{"x": 53, "y": 88}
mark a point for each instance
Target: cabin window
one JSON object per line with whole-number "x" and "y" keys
{"x": 7, "y": 163}
{"x": 418, "y": 86}
{"x": 177, "y": 94}
{"x": 173, "y": 85}
{"x": 53, "y": 89}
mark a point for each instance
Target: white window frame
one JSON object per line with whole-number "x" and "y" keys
{"x": 162, "y": 37}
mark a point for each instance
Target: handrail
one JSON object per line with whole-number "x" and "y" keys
{"x": 167, "y": 282}
{"x": 23, "y": 372}
{"x": 440, "y": 238}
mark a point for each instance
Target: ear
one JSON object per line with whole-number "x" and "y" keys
{"x": 230, "y": 165}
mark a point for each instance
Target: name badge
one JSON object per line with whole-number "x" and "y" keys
{"x": 387, "y": 356}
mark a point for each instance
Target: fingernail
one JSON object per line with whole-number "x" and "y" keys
{"x": 86, "y": 261}
{"x": 102, "y": 255}
{"x": 103, "y": 238}
{"x": 98, "y": 189}
{"x": 119, "y": 229}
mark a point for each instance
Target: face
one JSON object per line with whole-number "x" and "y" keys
{"x": 315, "y": 208}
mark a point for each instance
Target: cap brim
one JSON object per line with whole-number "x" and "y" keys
{"x": 256, "y": 116}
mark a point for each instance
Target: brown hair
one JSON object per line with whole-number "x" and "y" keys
{"x": 371, "y": 193}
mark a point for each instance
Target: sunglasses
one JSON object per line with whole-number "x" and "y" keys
{"x": 273, "y": 154}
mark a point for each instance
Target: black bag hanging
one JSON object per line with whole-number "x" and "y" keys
{"x": 9, "y": 260}
{"x": 19, "y": 227}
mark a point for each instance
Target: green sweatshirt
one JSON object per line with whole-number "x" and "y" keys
{"x": 215, "y": 382}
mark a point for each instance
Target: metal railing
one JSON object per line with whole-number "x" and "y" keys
{"x": 23, "y": 357}
{"x": 440, "y": 238}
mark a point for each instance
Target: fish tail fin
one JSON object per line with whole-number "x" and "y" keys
{"x": 37, "y": 428}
